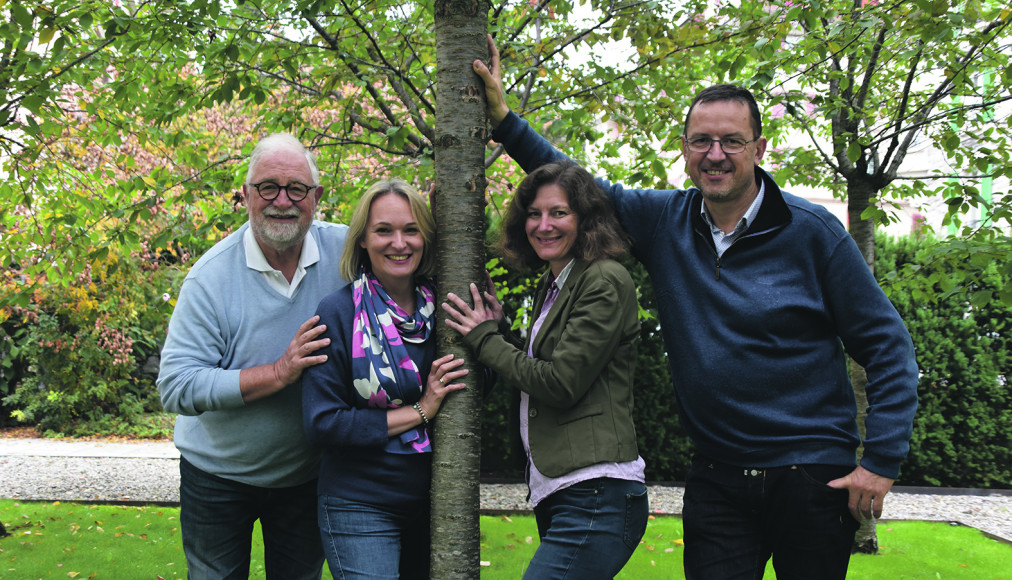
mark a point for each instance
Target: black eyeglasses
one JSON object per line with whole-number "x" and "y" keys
{"x": 729, "y": 145}
{"x": 269, "y": 190}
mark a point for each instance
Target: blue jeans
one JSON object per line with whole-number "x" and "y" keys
{"x": 217, "y": 516}
{"x": 363, "y": 540}
{"x": 737, "y": 518}
{"x": 589, "y": 530}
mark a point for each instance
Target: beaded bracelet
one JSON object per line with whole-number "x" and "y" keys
{"x": 425, "y": 420}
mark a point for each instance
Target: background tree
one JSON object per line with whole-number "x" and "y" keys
{"x": 355, "y": 80}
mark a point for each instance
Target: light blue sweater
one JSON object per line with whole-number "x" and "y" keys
{"x": 226, "y": 319}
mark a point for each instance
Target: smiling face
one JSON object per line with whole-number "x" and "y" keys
{"x": 281, "y": 223}
{"x": 393, "y": 241}
{"x": 721, "y": 177}
{"x": 552, "y": 226}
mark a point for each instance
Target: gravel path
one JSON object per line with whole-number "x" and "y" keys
{"x": 149, "y": 473}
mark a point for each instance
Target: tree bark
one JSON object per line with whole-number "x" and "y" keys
{"x": 866, "y": 538}
{"x": 458, "y": 206}
{"x": 863, "y": 231}
{"x": 859, "y": 196}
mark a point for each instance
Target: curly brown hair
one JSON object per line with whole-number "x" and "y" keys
{"x": 599, "y": 234}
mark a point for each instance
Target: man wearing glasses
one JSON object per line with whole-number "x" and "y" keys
{"x": 229, "y": 373}
{"x": 761, "y": 295}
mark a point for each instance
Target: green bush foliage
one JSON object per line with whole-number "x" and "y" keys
{"x": 963, "y": 429}
{"x": 662, "y": 441}
{"x": 82, "y": 359}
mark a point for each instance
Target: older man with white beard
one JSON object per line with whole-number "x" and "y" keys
{"x": 235, "y": 383}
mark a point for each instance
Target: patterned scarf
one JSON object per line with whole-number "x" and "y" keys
{"x": 385, "y": 377}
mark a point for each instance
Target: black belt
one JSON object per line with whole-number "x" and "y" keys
{"x": 736, "y": 470}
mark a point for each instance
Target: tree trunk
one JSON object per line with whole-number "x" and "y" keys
{"x": 459, "y": 207}
{"x": 863, "y": 232}
{"x": 859, "y": 195}
{"x": 866, "y": 539}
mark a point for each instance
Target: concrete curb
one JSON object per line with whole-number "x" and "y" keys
{"x": 62, "y": 448}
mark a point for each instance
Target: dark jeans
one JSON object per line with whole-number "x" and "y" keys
{"x": 371, "y": 541}
{"x": 589, "y": 530}
{"x": 217, "y": 516}
{"x": 736, "y": 518}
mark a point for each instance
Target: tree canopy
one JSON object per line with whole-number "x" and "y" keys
{"x": 125, "y": 125}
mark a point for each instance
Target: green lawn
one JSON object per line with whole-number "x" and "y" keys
{"x": 70, "y": 540}
{"x": 908, "y": 550}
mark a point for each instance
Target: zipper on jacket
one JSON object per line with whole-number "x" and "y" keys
{"x": 718, "y": 266}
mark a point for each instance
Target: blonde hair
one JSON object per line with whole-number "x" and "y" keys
{"x": 354, "y": 256}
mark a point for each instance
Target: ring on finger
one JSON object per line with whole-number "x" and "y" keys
{"x": 442, "y": 380}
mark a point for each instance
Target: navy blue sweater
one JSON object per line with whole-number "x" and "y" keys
{"x": 756, "y": 339}
{"x": 355, "y": 465}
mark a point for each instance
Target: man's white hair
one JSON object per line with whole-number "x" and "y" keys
{"x": 282, "y": 142}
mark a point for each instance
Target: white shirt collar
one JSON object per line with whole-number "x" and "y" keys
{"x": 746, "y": 220}
{"x": 561, "y": 278}
{"x": 256, "y": 260}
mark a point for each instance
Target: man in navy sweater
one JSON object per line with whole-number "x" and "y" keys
{"x": 761, "y": 295}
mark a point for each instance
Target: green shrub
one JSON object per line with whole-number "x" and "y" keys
{"x": 74, "y": 358}
{"x": 662, "y": 441}
{"x": 963, "y": 428}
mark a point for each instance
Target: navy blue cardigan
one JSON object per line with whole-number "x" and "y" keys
{"x": 355, "y": 465}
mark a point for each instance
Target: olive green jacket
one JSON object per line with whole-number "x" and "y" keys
{"x": 580, "y": 380}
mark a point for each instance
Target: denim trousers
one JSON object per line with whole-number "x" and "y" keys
{"x": 370, "y": 541}
{"x": 736, "y": 518}
{"x": 589, "y": 530}
{"x": 217, "y": 517}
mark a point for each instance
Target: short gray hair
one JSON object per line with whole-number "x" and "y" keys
{"x": 282, "y": 142}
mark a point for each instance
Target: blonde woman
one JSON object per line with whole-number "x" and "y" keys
{"x": 368, "y": 407}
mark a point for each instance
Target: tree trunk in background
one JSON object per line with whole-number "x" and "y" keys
{"x": 866, "y": 538}
{"x": 863, "y": 232}
{"x": 459, "y": 208}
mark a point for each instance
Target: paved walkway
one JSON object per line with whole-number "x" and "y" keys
{"x": 63, "y": 448}
{"x": 143, "y": 472}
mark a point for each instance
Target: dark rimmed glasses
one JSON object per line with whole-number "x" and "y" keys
{"x": 729, "y": 145}
{"x": 270, "y": 191}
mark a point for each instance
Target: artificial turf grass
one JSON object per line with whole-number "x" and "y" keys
{"x": 84, "y": 541}
{"x": 73, "y": 540}
{"x": 908, "y": 550}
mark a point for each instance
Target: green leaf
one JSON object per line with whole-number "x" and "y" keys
{"x": 33, "y": 103}
{"x": 22, "y": 16}
{"x": 46, "y": 34}
{"x": 854, "y": 151}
